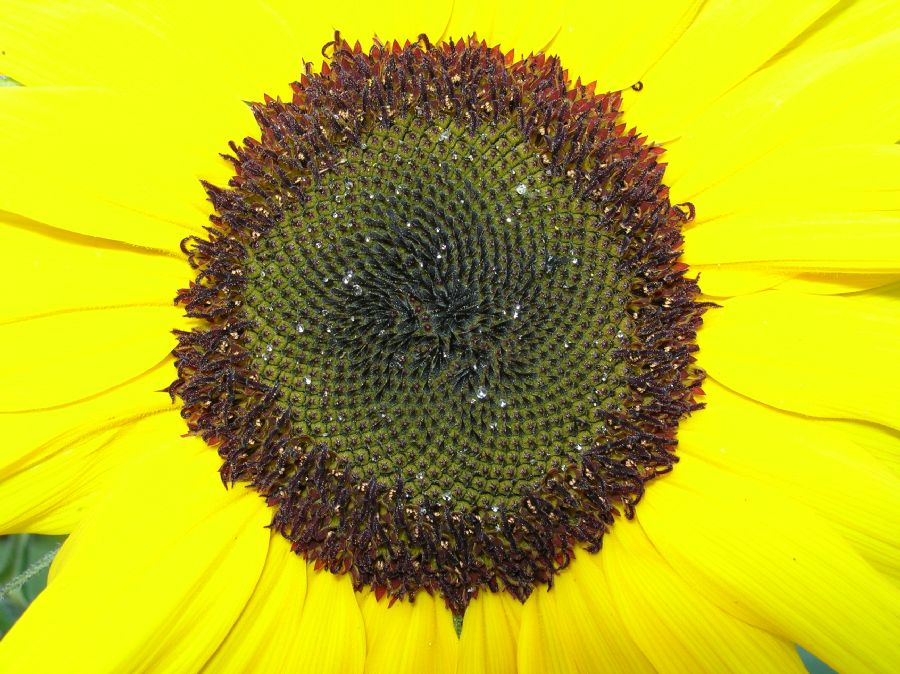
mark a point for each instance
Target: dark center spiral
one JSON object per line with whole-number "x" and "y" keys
{"x": 447, "y": 332}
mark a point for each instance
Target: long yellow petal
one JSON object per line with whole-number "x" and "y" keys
{"x": 154, "y": 579}
{"x": 677, "y": 628}
{"x": 490, "y": 634}
{"x": 121, "y": 166}
{"x": 807, "y": 460}
{"x": 843, "y": 241}
{"x": 821, "y": 178}
{"x": 574, "y": 628}
{"x": 740, "y": 35}
{"x": 773, "y": 564}
{"x": 793, "y": 102}
{"x": 817, "y": 355}
{"x": 824, "y": 283}
{"x": 409, "y": 637}
{"x": 66, "y": 357}
{"x": 31, "y": 437}
{"x": 264, "y": 637}
{"x": 509, "y": 24}
{"x": 59, "y": 270}
{"x": 238, "y": 50}
{"x": 849, "y": 24}
{"x": 57, "y": 488}
{"x": 634, "y": 36}
{"x": 331, "y": 638}
{"x": 882, "y": 443}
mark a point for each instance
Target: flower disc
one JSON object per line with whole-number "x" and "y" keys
{"x": 447, "y": 335}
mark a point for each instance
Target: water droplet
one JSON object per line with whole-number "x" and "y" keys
{"x": 445, "y": 135}
{"x": 481, "y": 393}
{"x": 308, "y": 380}
{"x": 334, "y": 215}
{"x": 269, "y": 348}
{"x": 357, "y": 290}
{"x": 521, "y": 188}
{"x": 574, "y": 260}
{"x": 503, "y": 403}
{"x": 347, "y": 277}
{"x": 300, "y": 327}
{"x": 620, "y": 334}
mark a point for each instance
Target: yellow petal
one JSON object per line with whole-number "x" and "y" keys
{"x": 66, "y": 357}
{"x": 848, "y": 241}
{"x": 805, "y": 101}
{"x": 33, "y": 436}
{"x": 806, "y": 460}
{"x": 848, "y": 24}
{"x": 724, "y": 44}
{"x": 508, "y": 24}
{"x": 574, "y": 628}
{"x": 634, "y": 36}
{"x": 730, "y": 280}
{"x": 774, "y": 565}
{"x": 490, "y": 633}
{"x": 121, "y": 166}
{"x": 62, "y": 270}
{"x": 331, "y": 638}
{"x": 825, "y": 283}
{"x": 238, "y": 50}
{"x": 53, "y": 491}
{"x": 677, "y": 628}
{"x": 831, "y": 207}
{"x": 882, "y": 443}
{"x": 264, "y": 637}
{"x": 154, "y": 579}
{"x": 817, "y": 355}
{"x": 818, "y": 178}
{"x": 409, "y": 637}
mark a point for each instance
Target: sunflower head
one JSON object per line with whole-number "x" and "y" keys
{"x": 445, "y": 332}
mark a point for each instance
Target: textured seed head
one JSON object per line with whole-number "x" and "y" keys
{"x": 447, "y": 336}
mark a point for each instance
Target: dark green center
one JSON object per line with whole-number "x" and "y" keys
{"x": 442, "y": 312}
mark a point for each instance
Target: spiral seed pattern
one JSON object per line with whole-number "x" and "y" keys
{"x": 445, "y": 331}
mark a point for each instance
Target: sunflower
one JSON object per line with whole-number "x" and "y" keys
{"x": 438, "y": 329}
